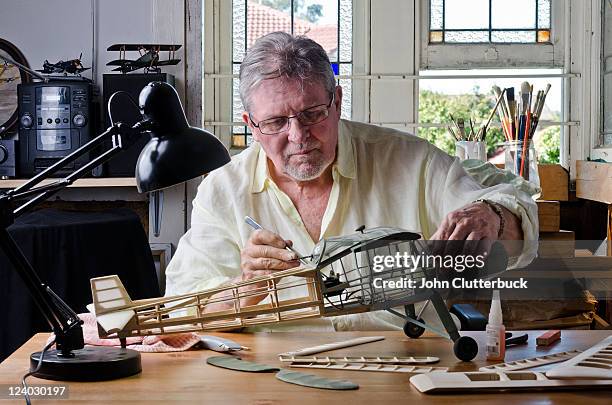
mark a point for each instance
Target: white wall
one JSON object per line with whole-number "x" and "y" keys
{"x": 62, "y": 29}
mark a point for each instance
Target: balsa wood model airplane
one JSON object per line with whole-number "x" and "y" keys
{"x": 340, "y": 278}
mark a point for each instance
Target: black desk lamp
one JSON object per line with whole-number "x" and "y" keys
{"x": 176, "y": 153}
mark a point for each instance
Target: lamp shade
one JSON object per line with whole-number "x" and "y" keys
{"x": 177, "y": 152}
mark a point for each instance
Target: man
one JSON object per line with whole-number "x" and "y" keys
{"x": 311, "y": 175}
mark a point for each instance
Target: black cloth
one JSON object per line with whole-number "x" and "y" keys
{"x": 67, "y": 249}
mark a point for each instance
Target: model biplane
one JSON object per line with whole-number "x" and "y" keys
{"x": 73, "y": 66}
{"x": 148, "y": 60}
{"x": 339, "y": 279}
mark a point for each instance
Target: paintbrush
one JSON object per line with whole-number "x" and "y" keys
{"x": 457, "y": 129}
{"x": 453, "y": 133}
{"x": 461, "y": 126}
{"x": 503, "y": 112}
{"x": 483, "y": 130}
{"x": 525, "y": 96}
{"x": 511, "y": 109}
{"x": 538, "y": 109}
{"x": 472, "y": 137}
{"x": 524, "y": 121}
{"x": 503, "y": 107}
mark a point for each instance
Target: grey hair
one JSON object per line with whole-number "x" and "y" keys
{"x": 279, "y": 54}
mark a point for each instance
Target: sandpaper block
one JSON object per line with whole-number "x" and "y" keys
{"x": 548, "y": 338}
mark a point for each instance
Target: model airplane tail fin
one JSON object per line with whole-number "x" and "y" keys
{"x": 111, "y": 304}
{"x": 109, "y": 294}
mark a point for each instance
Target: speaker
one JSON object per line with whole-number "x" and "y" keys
{"x": 8, "y": 158}
{"x": 122, "y": 109}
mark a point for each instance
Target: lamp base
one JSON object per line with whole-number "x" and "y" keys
{"x": 88, "y": 364}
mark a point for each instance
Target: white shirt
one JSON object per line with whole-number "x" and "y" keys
{"x": 381, "y": 177}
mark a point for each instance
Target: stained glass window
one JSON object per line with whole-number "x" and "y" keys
{"x": 328, "y": 22}
{"x": 489, "y": 21}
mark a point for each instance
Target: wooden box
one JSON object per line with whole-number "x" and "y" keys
{"x": 549, "y": 215}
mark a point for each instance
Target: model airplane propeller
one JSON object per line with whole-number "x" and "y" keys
{"x": 149, "y": 59}
{"x": 341, "y": 278}
{"x": 73, "y": 66}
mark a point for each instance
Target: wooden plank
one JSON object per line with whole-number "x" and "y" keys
{"x": 594, "y": 181}
{"x": 554, "y": 180}
{"x": 88, "y": 182}
{"x": 557, "y": 244}
{"x": 549, "y": 215}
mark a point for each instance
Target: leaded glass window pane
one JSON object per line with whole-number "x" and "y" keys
{"x": 346, "y": 31}
{"x": 466, "y": 36}
{"x": 239, "y": 30}
{"x": 513, "y": 14}
{"x": 496, "y": 21}
{"x": 436, "y": 14}
{"x": 513, "y": 36}
{"x": 544, "y": 14}
{"x": 466, "y": 14}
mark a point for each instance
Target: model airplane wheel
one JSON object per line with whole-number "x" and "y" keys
{"x": 412, "y": 330}
{"x": 465, "y": 348}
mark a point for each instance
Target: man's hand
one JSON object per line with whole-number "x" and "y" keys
{"x": 475, "y": 221}
{"x": 478, "y": 221}
{"x": 263, "y": 254}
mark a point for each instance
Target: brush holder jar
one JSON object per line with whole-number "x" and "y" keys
{"x": 471, "y": 150}
{"x": 521, "y": 160}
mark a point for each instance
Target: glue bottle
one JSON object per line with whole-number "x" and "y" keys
{"x": 496, "y": 332}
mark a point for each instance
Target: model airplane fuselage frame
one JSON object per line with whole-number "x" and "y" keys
{"x": 340, "y": 279}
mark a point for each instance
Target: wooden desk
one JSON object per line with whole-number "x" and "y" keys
{"x": 185, "y": 376}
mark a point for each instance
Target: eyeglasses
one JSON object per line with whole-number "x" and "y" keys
{"x": 309, "y": 116}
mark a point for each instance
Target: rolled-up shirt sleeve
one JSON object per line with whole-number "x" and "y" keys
{"x": 459, "y": 189}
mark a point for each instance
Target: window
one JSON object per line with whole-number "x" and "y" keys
{"x": 478, "y": 39}
{"x": 494, "y": 21}
{"x": 328, "y": 22}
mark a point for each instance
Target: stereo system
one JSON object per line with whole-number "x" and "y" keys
{"x": 58, "y": 117}
{"x": 55, "y": 119}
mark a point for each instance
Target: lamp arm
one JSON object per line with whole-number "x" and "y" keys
{"x": 65, "y": 326}
{"x": 88, "y": 147}
{"x": 64, "y": 322}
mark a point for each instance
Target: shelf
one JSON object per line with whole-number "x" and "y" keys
{"x": 81, "y": 183}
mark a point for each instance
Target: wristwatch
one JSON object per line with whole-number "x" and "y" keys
{"x": 497, "y": 208}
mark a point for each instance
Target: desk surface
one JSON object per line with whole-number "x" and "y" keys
{"x": 185, "y": 376}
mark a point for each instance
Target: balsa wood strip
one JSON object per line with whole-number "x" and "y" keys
{"x": 381, "y": 368}
{"x": 358, "y": 359}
